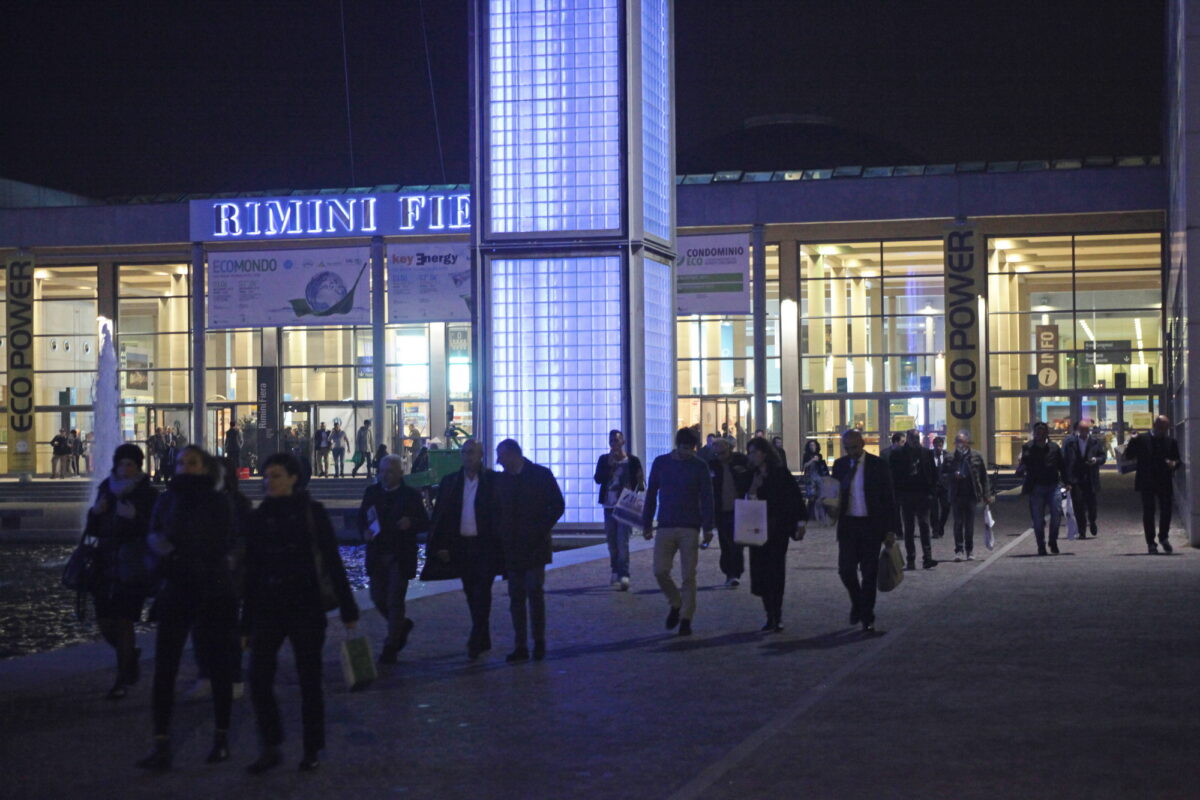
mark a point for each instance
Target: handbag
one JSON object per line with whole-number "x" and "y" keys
{"x": 357, "y": 459}
{"x": 1068, "y": 511}
{"x": 989, "y": 522}
{"x": 329, "y": 599}
{"x": 891, "y": 568}
{"x": 628, "y": 510}
{"x": 81, "y": 572}
{"x": 358, "y": 665}
{"x": 1125, "y": 464}
{"x": 750, "y": 522}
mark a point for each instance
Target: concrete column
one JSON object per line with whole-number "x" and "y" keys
{"x": 789, "y": 350}
{"x": 378, "y": 341}
{"x": 199, "y": 326}
{"x": 759, "y": 269}
{"x": 438, "y": 391}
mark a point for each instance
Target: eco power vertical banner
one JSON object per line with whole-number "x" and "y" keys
{"x": 20, "y": 393}
{"x": 966, "y": 276}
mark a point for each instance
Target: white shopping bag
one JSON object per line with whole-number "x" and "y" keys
{"x": 1068, "y": 510}
{"x": 628, "y": 510}
{"x": 989, "y": 522}
{"x": 750, "y": 522}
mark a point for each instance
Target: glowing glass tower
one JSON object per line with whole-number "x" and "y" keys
{"x": 573, "y": 154}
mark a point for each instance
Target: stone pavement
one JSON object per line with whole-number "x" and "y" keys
{"x": 1018, "y": 676}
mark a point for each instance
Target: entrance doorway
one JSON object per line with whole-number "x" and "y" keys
{"x": 1116, "y": 414}
{"x": 723, "y": 415}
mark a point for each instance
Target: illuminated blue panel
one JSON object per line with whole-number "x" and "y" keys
{"x": 659, "y": 357}
{"x": 657, "y": 169}
{"x": 556, "y": 366}
{"x": 554, "y": 123}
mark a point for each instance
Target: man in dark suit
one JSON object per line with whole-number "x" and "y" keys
{"x": 1041, "y": 472}
{"x": 1157, "y": 456}
{"x": 939, "y": 509}
{"x": 867, "y": 520}
{"x": 530, "y": 504}
{"x": 464, "y": 538}
{"x": 1082, "y": 456}
{"x": 914, "y": 481}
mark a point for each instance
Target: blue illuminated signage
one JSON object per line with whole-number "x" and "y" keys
{"x": 329, "y": 216}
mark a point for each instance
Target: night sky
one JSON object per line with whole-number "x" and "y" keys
{"x": 114, "y": 98}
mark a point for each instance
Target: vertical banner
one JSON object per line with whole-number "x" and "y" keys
{"x": 1047, "y": 356}
{"x": 429, "y": 282}
{"x": 22, "y": 456}
{"x": 267, "y": 403}
{"x": 966, "y": 276}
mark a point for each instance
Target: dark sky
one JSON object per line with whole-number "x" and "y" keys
{"x": 110, "y": 98}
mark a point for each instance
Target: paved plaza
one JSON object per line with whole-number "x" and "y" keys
{"x": 1015, "y": 676}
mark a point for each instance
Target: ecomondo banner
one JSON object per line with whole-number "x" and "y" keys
{"x": 20, "y": 395}
{"x": 265, "y": 288}
{"x": 429, "y": 283}
{"x": 713, "y": 274}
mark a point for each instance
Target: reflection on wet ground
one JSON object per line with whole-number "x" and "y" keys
{"x": 37, "y": 613}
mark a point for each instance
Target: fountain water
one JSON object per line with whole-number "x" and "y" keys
{"x": 105, "y": 401}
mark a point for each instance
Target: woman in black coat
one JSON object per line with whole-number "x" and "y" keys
{"x": 294, "y": 575}
{"x": 119, "y": 520}
{"x": 192, "y": 530}
{"x": 785, "y": 520}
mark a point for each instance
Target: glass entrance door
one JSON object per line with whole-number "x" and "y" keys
{"x": 721, "y": 415}
{"x": 295, "y": 432}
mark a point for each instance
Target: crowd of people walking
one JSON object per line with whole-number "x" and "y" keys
{"x": 238, "y": 579}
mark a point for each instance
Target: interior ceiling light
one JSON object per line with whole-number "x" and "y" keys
{"x": 1004, "y": 244}
{"x": 1087, "y": 329}
{"x": 832, "y": 250}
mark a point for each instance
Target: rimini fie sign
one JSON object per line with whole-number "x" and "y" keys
{"x": 329, "y": 216}
{"x": 261, "y": 288}
{"x": 713, "y": 274}
{"x": 966, "y": 276}
{"x": 20, "y": 395}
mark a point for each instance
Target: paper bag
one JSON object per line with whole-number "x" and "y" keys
{"x": 891, "y": 568}
{"x": 628, "y": 510}
{"x": 358, "y": 665}
{"x": 750, "y": 522}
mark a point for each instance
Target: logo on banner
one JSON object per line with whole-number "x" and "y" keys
{"x": 1047, "y": 356}
{"x": 326, "y": 295}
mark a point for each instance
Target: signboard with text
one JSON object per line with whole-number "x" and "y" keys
{"x": 713, "y": 275}
{"x": 966, "y": 284}
{"x": 262, "y": 288}
{"x": 429, "y": 282}
{"x": 22, "y": 456}
{"x": 1108, "y": 351}
{"x": 1047, "y": 356}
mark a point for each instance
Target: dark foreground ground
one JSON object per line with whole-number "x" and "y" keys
{"x": 1016, "y": 676}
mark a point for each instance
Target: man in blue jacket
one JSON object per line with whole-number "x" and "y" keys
{"x": 681, "y": 481}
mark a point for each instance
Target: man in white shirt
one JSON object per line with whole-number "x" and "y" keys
{"x": 867, "y": 520}
{"x": 465, "y": 542}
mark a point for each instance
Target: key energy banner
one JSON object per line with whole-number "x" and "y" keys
{"x": 262, "y": 288}
{"x": 713, "y": 274}
{"x": 966, "y": 275}
{"x": 429, "y": 283}
{"x": 20, "y": 394}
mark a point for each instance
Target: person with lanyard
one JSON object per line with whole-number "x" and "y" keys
{"x": 868, "y": 519}
{"x": 1041, "y": 469}
{"x": 616, "y": 471}
{"x": 1157, "y": 457}
{"x": 968, "y": 486}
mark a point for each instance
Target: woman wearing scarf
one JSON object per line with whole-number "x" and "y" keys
{"x": 785, "y": 514}
{"x": 120, "y": 520}
{"x": 192, "y": 530}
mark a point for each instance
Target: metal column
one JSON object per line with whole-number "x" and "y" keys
{"x": 199, "y": 328}
{"x": 759, "y": 273}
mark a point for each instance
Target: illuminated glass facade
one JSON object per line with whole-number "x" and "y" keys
{"x": 657, "y": 164}
{"x": 659, "y": 356}
{"x": 556, "y": 365}
{"x": 554, "y": 130}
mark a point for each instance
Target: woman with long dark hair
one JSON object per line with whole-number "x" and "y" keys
{"x": 120, "y": 520}
{"x": 294, "y": 575}
{"x": 192, "y": 530}
{"x": 775, "y": 486}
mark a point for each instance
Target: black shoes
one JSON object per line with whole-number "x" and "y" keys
{"x": 685, "y": 627}
{"x": 1054, "y": 547}
{"x": 118, "y": 691}
{"x": 388, "y": 654}
{"x": 518, "y": 656}
{"x": 220, "y": 748}
{"x": 405, "y": 630}
{"x": 930, "y": 563}
{"x": 476, "y": 648}
{"x": 855, "y": 617}
{"x": 912, "y": 564}
{"x": 770, "y": 626}
{"x": 868, "y": 628}
{"x": 1166, "y": 546}
{"x": 310, "y": 762}
{"x": 1152, "y": 548}
{"x": 539, "y": 651}
{"x": 159, "y": 759}
{"x": 1042, "y": 550}
{"x": 270, "y": 758}
{"x": 672, "y": 619}
{"x": 132, "y": 670}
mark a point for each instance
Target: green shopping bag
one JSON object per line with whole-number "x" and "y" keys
{"x": 358, "y": 665}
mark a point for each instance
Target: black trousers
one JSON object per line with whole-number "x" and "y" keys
{"x": 939, "y": 511}
{"x": 1083, "y": 498}
{"x": 477, "y": 579}
{"x": 1163, "y": 497}
{"x": 914, "y": 506}
{"x": 526, "y": 586}
{"x": 964, "y": 525}
{"x": 768, "y": 575}
{"x": 733, "y": 556}
{"x": 215, "y": 624}
{"x": 307, "y": 634}
{"x": 858, "y": 551}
